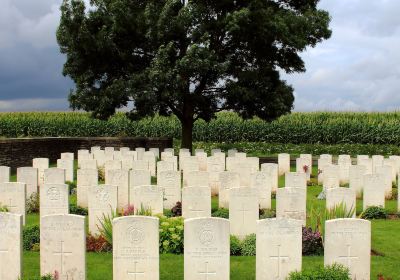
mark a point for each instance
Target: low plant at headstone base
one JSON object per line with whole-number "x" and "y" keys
{"x": 102, "y": 174}
{"x": 177, "y": 210}
{"x": 105, "y": 227}
{"x": 3, "y": 208}
{"x": 236, "y": 246}
{"x": 33, "y": 203}
{"x": 128, "y": 210}
{"x": 374, "y": 213}
{"x": 249, "y": 245}
{"x": 77, "y": 210}
{"x": 312, "y": 242}
{"x": 71, "y": 187}
{"x": 395, "y": 193}
{"x": 267, "y": 214}
{"x": 30, "y": 237}
{"x": 333, "y": 272}
{"x": 97, "y": 244}
{"x": 144, "y": 211}
{"x": 171, "y": 235}
{"x": 381, "y": 277}
{"x": 54, "y": 276}
{"x": 221, "y": 213}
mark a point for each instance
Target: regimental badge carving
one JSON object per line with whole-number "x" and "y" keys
{"x": 53, "y": 194}
{"x": 135, "y": 234}
{"x": 206, "y": 234}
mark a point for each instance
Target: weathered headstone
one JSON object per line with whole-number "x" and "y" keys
{"x": 41, "y": 164}
{"x": 356, "y": 178}
{"x": 68, "y": 166}
{"x": 29, "y": 176}
{"x": 348, "y": 242}
{"x": 10, "y": 246}
{"x": 283, "y": 163}
{"x": 196, "y": 202}
{"x": 85, "y": 179}
{"x": 278, "y": 248}
{"x": 54, "y": 176}
{"x": 148, "y": 198}
{"x": 206, "y": 249}
{"x": 136, "y": 248}
{"x": 243, "y": 211}
{"x": 120, "y": 178}
{"x": 102, "y": 201}
{"x": 291, "y": 203}
{"x": 228, "y": 180}
{"x": 63, "y": 246}
{"x": 54, "y": 199}
{"x": 262, "y": 181}
{"x": 12, "y": 196}
{"x": 374, "y": 191}
{"x": 336, "y": 197}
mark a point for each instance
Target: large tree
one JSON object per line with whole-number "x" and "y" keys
{"x": 188, "y": 59}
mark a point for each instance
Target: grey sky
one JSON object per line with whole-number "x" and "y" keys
{"x": 357, "y": 69}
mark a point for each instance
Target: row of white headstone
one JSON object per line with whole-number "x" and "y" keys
{"x": 206, "y": 247}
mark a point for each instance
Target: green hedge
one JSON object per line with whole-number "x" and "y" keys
{"x": 308, "y": 128}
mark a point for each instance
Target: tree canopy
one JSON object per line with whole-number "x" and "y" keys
{"x": 165, "y": 57}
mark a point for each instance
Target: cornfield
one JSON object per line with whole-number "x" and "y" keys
{"x": 296, "y": 128}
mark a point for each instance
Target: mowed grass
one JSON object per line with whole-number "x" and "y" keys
{"x": 385, "y": 244}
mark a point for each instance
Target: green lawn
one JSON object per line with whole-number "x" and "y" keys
{"x": 385, "y": 242}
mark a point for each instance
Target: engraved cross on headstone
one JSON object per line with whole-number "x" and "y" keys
{"x": 348, "y": 258}
{"x": 206, "y": 272}
{"x": 243, "y": 210}
{"x": 62, "y": 254}
{"x": 135, "y": 273}
{"x": 10, "y": 204}
{"x": 279, "y": 258}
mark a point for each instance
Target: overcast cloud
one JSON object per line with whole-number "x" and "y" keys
{"x": 357, "y": 69}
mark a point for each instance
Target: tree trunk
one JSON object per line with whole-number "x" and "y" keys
{"x": 187, "y": 136}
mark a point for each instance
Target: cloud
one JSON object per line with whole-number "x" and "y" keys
{"x": 34, "y": 104}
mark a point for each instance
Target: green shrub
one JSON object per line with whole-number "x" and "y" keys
{"x": 3, "y": 208}
{"x": 249, "y": 245}
{"x": 33, "y": 203}
{"x": 106, "y": 226}
{"x": 221, "y": 213}
{"x": 236, "y": 246}
{"x": 31, "y": 236}
{"x": 374, "y": 213}
{"x": 267, "y": 214}
{"x": 334, "y": 272}
{"x": 171, "y": 235}
{"x": 77, "y": 210}
{"x": 312, "y": 242}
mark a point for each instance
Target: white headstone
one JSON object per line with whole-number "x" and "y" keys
{"x": 140, "y": 153}
{"x": 120, "y": 178}
{"x": 100, "y": 157}
{"x": 336, "y": 197}
{"x": 10, "y": 246}
{"x": 215, "y": 151}
{"x": 232, "y": 152}
{"x": 68, "y": 166}
{"x": 263, "y": 182}
{"x": 302, "y": 165}
{"x": 206, "y": 249}
{"x": 283, "y": 163}
{"x": 278, "y": 248}
{"x": 164, "y": 166}
{"x": 386, "y": 172}
{"x": 367, "y": 163}
{"x": 29, "y": 176}
{"x": 228, "y": 180}
{"x": 348, "y": 242}
{"x": 243, "y": 211}
{"x": 41, "y": 164}
{"x": 377, "y": 160}
{"x": 272, "y": 170}
{"x": 392, "y": 163}
{"x": 63, "y": 246}
{"x": 196, "y": 202}
{"x": 196, "y": 179}
{"x": 69, "y": 156}
{"x": 148, "y": 198}
{"x": 296, "y": 180}
{"x": 344, "y": 163}
{"x": 308, "y": 158}
{"x": 156, "y": 152}
{"x": 140, "y": 165}
{"x": 361, "y": 158}
{"x": 291, "y": 203}
{"x": 5, "y": 172}
{"x": 374, "y": 191}
{"x": 136, "y": 248}
{"x": 331, "y": 177}
{"x": 12, "y": 195}
{"x": 170, "y": 182}
{"x": 85, "y": 179}
{"x": 102, "y": 201}
{"x": 139, "y": 178}
{"x": 54, "y": 176}
{"x": 54, "y": 199}
{"x": 88, "y": 164}
{"x": 202, "y": 159}
{"x": 150, "y": 157}
{"x": 322, "y": 164}
{"x": 356, "y": 178}
{"x": 112, "y": 165}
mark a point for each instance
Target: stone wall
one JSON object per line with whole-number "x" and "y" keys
{"x": 19, "y": 152}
